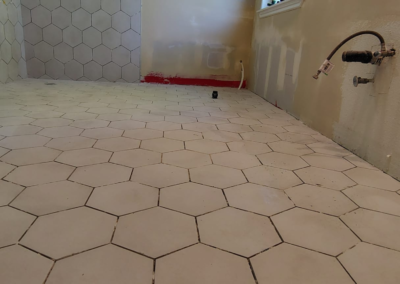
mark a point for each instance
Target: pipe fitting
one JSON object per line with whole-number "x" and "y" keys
{"x": 359, "y": 80}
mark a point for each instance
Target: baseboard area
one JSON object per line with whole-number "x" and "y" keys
{"x": 160, "y": 79}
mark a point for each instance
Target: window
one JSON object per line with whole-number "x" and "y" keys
{"x": 273, "y": 7}
{"x": 269, "y": 3}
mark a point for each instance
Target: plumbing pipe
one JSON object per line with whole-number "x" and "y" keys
{"x": 241, "y": 82}
{"x": 378, "y": 35}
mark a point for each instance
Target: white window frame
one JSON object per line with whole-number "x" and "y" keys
{"x": 287, "y": 5}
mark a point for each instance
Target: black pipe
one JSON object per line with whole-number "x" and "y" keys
{"x": 357, "y": 56}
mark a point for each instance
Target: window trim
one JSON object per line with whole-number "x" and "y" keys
{"x": 281, "y": 7}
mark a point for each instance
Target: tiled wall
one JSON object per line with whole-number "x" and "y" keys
{"x": 96, "y": 40}
{"x": 12, "y": 54}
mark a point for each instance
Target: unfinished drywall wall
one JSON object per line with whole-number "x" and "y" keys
{"x": 288, "y": 48}
{"x": 12, "y": 51}
{"x": 196, "y": 39}
{"x": 91, "y": 40}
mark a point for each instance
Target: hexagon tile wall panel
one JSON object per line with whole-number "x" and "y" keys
{"x": 12, "y": 50}
{"x": 85, "y": 40}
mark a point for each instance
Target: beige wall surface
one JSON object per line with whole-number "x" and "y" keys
{"x": 196, "y": 39}
{"x": 288, "y": 48}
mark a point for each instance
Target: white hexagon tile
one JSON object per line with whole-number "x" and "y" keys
{"x": 87, "y": 40}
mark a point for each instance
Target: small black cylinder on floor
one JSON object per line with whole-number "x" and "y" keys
{"x": 215, "y": 95}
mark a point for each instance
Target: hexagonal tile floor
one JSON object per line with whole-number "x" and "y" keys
{"x": 156, "y": 232}
{"x": 116, "y": 183}
{"x": 237, "y": 231}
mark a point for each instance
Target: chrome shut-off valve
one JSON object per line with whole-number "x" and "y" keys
{"x": 358, "y": 80}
